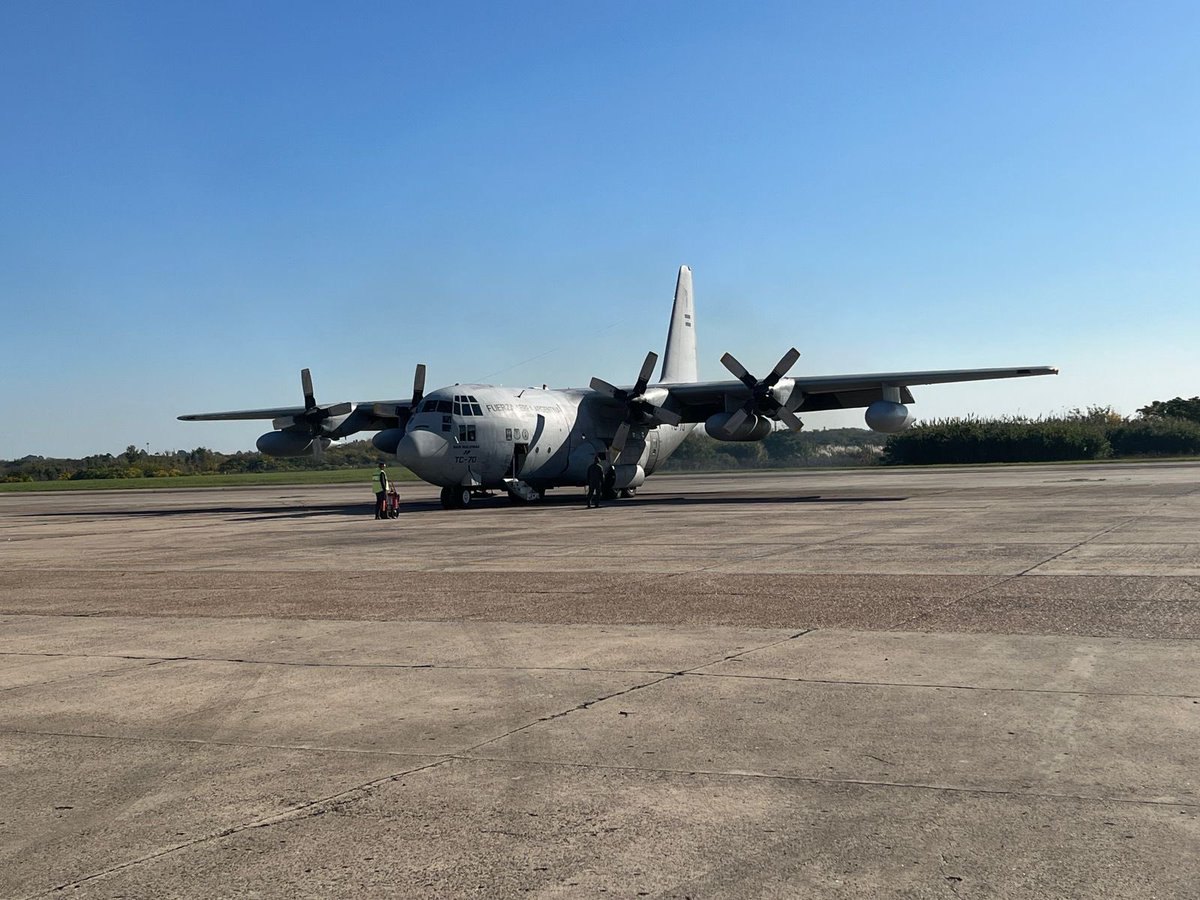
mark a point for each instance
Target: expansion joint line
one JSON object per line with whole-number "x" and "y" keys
{"x": 740, "y": 775}
{"x": 297, "y": 812}
{"x": 588, "y": 704}
{"x": 1006, "y": 579}
{"x": 787, "y": 548}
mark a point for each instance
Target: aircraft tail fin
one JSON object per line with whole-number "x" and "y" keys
{"x": 679, "y": 360}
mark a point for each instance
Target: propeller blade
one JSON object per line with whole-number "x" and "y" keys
{"x": 739, "y": 371}
{"x": 318, "y": 448}
{"x": 338, "y": 409}
{"x": 418, "y": 385}
{"x": 786, "y": 362}
{"x": 310, "y": 401}
{"x": 790, "y": 419}
{"x": 734, "y": 422}
{"x": 646, "y": 373}
{"x": 603, "y": 387}
{"x": 664, "y": 415}
{"x": 618, "y": 442}
{"x": 795, "y": 400}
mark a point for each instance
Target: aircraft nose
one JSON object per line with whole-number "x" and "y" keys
{"x": 422, "y": 451}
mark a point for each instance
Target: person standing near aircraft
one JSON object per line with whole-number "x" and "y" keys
{"x": 380, "y": 484}
{"x": 595, "y": 482}
{"x": 610, "y": 482}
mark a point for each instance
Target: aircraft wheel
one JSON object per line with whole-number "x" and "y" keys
{"x": 462, "y": 497}
{"x": 628, "y": 492}
{"x": 448, "y": 497}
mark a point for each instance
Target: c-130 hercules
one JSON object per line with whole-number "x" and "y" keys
{"x": 470, "y": 438}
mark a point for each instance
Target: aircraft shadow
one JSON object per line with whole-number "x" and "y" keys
{"x": 312, "y": 511}
{"x": 247, "y": 513}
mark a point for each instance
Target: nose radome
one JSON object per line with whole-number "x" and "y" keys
{"x": 418, "y": 449}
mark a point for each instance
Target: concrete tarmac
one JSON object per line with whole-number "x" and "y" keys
{"x": 919, "y": 683}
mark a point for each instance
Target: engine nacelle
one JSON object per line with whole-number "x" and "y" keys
{"x": 287, "y": 443}
{"x": 628, "y": 476}
{"x": 388, "y": 440}
{"x": 888, "y": 417}
{"x": 754, "y": 428}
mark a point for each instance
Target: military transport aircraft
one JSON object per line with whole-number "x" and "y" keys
{"x": 471, "y": 438}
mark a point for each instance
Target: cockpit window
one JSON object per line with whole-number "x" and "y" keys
{"x": 443, "y": 406}
{"x": 464, "y": 405}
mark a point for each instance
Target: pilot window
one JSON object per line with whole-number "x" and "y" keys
{"x": 466, "y": 433}
{"x": 465, "y": 405}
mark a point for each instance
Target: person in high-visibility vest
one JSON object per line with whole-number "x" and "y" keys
{"x": 380, "y": 484}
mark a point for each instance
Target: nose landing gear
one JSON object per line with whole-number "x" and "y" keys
{"x": 456, "y": 497}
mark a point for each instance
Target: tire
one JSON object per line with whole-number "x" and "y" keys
{"x": 448, "y": 498}
{"x": 462, "y": 497}
{"x": 628, "y": 492}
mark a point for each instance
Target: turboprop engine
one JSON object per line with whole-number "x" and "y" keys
{"x": 752, "y": 427}
{"x": 888, "y": 417}
{"x": 388, "y": 440}
{"x": 288, "y": 443}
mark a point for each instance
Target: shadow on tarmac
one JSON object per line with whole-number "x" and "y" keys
{"x": 365, "y": 510}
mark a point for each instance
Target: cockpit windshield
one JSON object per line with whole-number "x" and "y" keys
{"x": 461, "y": 405}
{"x": 466, "y": 405}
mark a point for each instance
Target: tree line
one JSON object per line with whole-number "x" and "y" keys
{"x": 138, "y": 463}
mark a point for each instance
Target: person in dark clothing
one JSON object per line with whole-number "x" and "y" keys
{"x": 380, "y": 483}
{"x": 610, "y": 483}
{"x": 595, "y": 482}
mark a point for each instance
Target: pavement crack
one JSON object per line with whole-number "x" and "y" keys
{"x": 209, "y": 742}
{"x": 587, "y": 704}
{"x": 299, "y": 811}
{"x": 936, "y": 686}
{"x": 158, "y": 660}
{"x": 819, "y": 779}
{"x": 148, "y": 663}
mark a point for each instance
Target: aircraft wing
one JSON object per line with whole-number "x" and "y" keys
{"x": 272, "y": 413}
{"x": 340, "y": 420}
{"x": 697, "y": 401}
{"x": 381, "y": 409}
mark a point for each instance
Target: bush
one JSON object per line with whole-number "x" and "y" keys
{"x": 1156, "y": 437}
{"x": 974, "y": 440}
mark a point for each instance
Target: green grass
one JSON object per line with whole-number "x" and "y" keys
{"x": 244, "y": 479}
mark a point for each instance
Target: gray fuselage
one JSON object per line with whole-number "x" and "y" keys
{"x": 479, "y": 435}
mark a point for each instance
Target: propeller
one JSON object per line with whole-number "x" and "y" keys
{"x": 314, "y": 416}
{"x": 762, "y": 393}
{"x": 643, "y": 405}
{"x": 418, "y": 394}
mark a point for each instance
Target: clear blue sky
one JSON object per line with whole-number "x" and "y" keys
{"x": 199, "y": 199}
